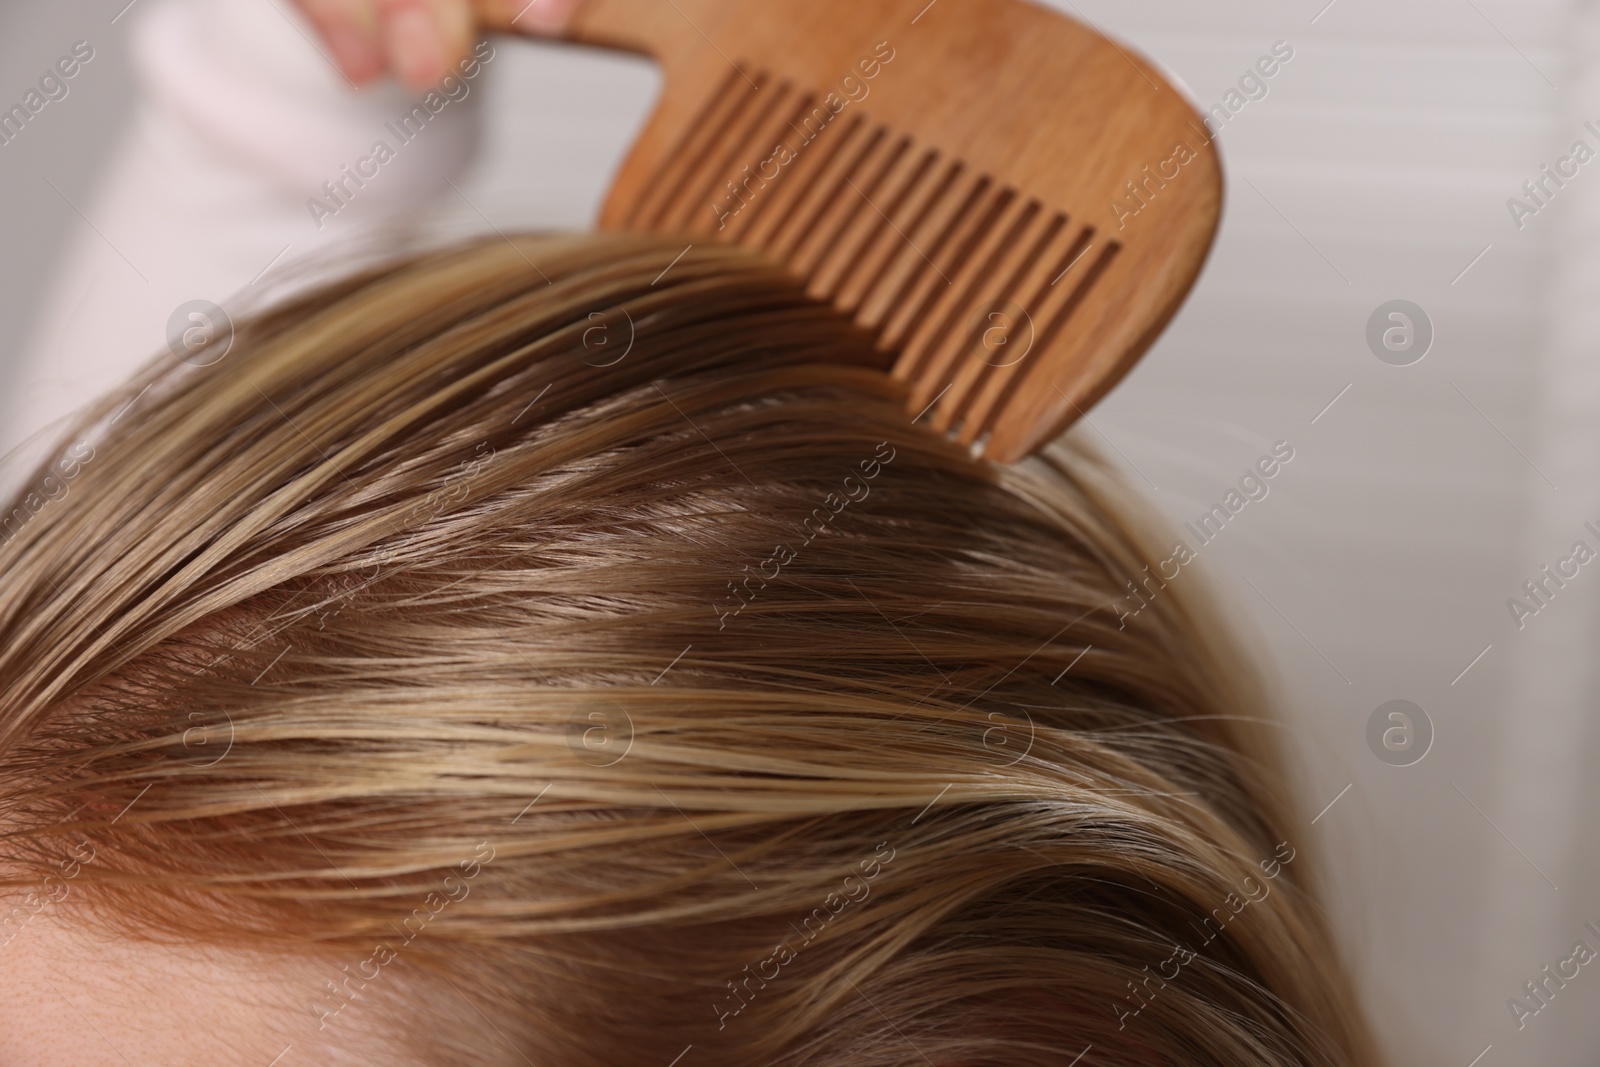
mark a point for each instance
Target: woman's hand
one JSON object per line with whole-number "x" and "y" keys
{"x": 419, "y": 41}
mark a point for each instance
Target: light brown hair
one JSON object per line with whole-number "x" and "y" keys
{"x": 653, "y": 688}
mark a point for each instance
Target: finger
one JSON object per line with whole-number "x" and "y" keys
{"x": 538, "y": 18}
{"x": 350, "y": 30}
{"x": 423, "y": 39}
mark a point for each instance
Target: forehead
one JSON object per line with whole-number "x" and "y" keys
{"x": 75, "y": 997}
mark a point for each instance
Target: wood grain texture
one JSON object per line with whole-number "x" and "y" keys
{"x": 950, "y": 175}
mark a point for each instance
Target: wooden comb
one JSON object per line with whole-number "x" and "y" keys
{"x": 1013, "y": 203}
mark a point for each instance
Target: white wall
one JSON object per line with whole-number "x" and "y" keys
{"x": 65, "y": 148}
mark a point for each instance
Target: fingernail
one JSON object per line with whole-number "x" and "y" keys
{"x": 356, "y": 52}
{"x": 415, "y": 50}
{"x": 547, "y": 16}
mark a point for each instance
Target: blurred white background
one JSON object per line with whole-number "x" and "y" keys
{"x": 1378, "y": 167}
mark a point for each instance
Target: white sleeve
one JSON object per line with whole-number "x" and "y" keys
{"x": 217, "y": 190}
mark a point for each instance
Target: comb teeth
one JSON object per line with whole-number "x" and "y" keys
{"x": 965, "y": 278}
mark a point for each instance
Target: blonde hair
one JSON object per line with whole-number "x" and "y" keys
{"x": 602, "y": 639}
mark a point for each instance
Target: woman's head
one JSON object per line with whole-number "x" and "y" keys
{"x": 532, "y": 652}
